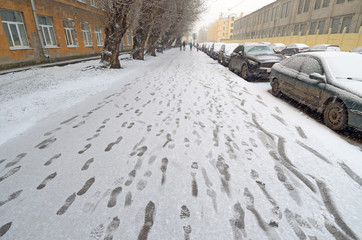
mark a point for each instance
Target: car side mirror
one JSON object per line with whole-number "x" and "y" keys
{"x": 317, "y": 76}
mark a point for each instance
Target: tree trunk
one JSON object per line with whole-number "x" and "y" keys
{"x": 116, "y": 26}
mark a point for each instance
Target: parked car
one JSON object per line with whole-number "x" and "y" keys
{"x": 294, "y": 48}
{"x": 325, "y": 47}
{"x": 328, "y": 82}
{"x": 278, "y": 47}
{"x": 214, "y": 53}
{"x": 225, "y": 53}
{"x": 253, "y": 60}
{"x": 357, "y": 50}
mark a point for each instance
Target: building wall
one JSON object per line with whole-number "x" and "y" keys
{"x": 57, "y": 10}
{"x": 222, "y": 29}
{"x": 212, "y": 32}
{"x": 293, "y": 17}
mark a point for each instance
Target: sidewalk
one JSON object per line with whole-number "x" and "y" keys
{"x": 60, "y": 63}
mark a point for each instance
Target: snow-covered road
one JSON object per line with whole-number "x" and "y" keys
{"x": 179, "y": 148}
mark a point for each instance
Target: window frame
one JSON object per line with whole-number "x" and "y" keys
{"x": 50, "y": 28}
{"x": 87, "y": 34}
{"x": 70, "y": 34}
{"x": 99, "y": 36}
{"x": 18, "y": 32}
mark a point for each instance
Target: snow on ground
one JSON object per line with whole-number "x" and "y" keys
{"x": 28, "y": 96}
{"x": 175, "y": 147}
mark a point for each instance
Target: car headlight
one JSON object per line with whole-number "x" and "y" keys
{"x": 253, "y": 62}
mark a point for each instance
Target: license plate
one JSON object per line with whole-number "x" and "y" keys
{"x": 268, "y": 70}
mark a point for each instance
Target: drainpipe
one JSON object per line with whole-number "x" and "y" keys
{"x": 37, "y": 28}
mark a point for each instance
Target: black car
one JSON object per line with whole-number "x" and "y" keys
{"x": 225, "y": 51}
{"x": 253, "y": 60}
{"x": 328, "y": 82}
{"x": 294, "y": 48}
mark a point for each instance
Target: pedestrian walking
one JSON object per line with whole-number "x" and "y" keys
{"x": 197, "y": 46}
{"x": 184, "y": 45}
{"x": 191, "y": 46}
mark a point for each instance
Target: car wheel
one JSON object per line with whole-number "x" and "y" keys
{"x": 244, "y": 72}
{"x": 335, "y": 116}
{"x": 229, "y": 66}
{"x": 276, "y": 88}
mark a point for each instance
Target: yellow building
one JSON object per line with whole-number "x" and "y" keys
{"x": 222, "y": 29}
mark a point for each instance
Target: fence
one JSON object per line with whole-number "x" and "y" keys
{"x": 346, "y": 41}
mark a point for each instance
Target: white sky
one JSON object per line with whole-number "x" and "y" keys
{"x": 215, "y": 7}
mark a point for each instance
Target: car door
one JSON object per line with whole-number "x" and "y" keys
{"x": 310, "y": 89}
{"x": 236, "y": 58}
{"x": 289, "y": 75}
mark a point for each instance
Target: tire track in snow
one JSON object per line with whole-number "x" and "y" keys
{"x": 328, "y": 202}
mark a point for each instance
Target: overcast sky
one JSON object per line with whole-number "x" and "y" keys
{"x": 215, "y": 7}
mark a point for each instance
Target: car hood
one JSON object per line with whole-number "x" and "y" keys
{"x": 266, "y": 57}
{"x": 352, "y": 86}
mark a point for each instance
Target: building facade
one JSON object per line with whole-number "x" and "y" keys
{"x": 41, "y": 31}
{"x": 223, "y": 28}
{"x": 301, "y": 17}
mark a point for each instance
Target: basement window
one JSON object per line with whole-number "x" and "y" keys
{"x": 14, "y": 29}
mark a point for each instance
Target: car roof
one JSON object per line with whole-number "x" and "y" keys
{"x": 327, "y": 54}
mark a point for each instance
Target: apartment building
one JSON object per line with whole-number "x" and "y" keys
{"x": 293, "y": 17}
{"x": 223, "y": 28}
{"x": 41, "y": 31}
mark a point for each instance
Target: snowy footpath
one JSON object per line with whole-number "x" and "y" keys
{"x": 175, "y": 147}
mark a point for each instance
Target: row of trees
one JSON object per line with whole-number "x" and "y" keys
{"x": 153, "y": 22}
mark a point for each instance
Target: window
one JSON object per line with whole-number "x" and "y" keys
{"x": 310, "y": 66}
{"x": 70, "y": 36}
{"x": 93, "y": 3}
{"x": 47, "y": 31}
{"x": 346, "y": 23}
{"x": 87, "y": 37}
{"x": 325, "y": 3}
{"x": 335, "y": 25}
{"x": 302, "y": 29}
{"x": 288, "y": 9}
{"x": 294, "y": 63}
{"x": 321, "y": 26}
{"x": 272, "y": 14}
{"x": 296, "y": 28}
{"x": 306, "y": 6}
{"x": 128, "y": 40}
{"x": 283, "y": 10}
{"x": 276, "y": 12}
{"x": 232, "y": 19}
{"x": 339, "y": 1}
{"x": 14, "y": 28}
{"x": 231, "y": 31}
{"x": 300, "y": 6}
{"x": 232, "y": 25}
{"x": 99, "y": 36}
{"x": 313, "y": 27}
{"x": 317, "y": 4}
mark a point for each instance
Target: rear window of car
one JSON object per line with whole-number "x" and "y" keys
{"x": 294, "y": 63}
{"x": 311, "y": 65}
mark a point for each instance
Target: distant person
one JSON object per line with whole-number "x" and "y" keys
{"x": 197, "y": 46}
{"x": 184, "y": 45}
{"x": 190, "y": 46}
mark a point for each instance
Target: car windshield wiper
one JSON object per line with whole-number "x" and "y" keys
{"x": 350, "y": 78}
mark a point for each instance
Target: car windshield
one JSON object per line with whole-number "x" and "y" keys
{"x": 259, "y": 49}
{"x": 346, "y": 67}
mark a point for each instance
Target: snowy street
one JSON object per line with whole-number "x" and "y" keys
{"x": 174, "y": 147}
